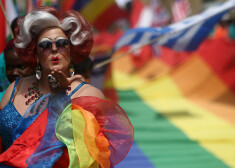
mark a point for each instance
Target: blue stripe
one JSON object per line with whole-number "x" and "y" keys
{"x": 139, "y": 33}
{"x": 135, "y": 159}
{"x": 79, "y": 4}
{"x": 203, "y": 32}
{"x": 136, "y": 38}
{"x": 171, "y": 42}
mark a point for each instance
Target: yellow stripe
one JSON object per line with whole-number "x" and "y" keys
{"x": 123, "y": 81}
{"x": 94, "y": 8}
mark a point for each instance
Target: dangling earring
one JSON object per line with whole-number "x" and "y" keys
{"x": 38, "y": 72}
{"x": 71, "y": 70}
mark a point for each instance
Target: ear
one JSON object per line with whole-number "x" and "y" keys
{"x": 37, "y": 60}
{"x": 36, "y": 57}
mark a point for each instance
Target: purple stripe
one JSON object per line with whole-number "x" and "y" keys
{"x": 80, "y": 4}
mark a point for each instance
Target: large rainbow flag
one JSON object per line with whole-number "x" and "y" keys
{"x": 182, "y": 106}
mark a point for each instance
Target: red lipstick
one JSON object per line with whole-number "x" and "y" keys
{"x": 55, "y": 60}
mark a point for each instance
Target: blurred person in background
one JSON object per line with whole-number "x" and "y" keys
{"x": 226, "y": 27}
{"x": 15, "y": 68}
{"x": 4, "y": 83}
{"x": 13, "y": 65}
{"x": 84, "y": 68}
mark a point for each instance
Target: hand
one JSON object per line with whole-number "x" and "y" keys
{"x": 61, "y": 81}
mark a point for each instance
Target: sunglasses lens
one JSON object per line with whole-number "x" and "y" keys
{"x": 62, "y": 42}
{"x": 45, "y": 45}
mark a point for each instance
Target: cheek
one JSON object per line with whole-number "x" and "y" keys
{"x": 40, "y": 57}
{"x": 43, "y": 59}
{"x": 66, "y": 57}
{"x": 8, "y": 72}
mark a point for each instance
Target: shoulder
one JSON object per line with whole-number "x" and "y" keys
{"x": 89, "y": 90}
{"x": 7, "y": 95}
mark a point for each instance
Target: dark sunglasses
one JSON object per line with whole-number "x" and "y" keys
{"x": 46, "y": 45}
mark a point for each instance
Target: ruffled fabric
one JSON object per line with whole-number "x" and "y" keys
{"x": 95, "y": 132}
{"x": 114, "y": 124}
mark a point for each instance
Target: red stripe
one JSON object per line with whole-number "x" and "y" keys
{"x": 2, "y": 29}
{"x": 220, "y": 56}
{"x": 110, "y": 15}
{"x": 67, "y": 5}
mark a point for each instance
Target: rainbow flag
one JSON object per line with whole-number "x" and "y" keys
{"x": 99, "y": 13}
{"x": 182, "y": 107}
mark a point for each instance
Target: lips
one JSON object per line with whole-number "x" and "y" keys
{"x": 55, "y": 60}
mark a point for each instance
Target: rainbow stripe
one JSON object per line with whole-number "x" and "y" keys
{"x": 101, "y": 15}
{"x": 183, "y": 113}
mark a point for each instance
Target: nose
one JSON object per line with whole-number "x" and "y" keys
{"x": 15, "y": 71}
{"x": 54, "y": 48}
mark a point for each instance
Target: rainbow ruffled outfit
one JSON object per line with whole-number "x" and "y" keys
{"x": 59, "y": 132}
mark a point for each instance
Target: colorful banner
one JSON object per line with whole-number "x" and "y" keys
{"x": 101, "y": 15}
{"x": 181, "y": 106}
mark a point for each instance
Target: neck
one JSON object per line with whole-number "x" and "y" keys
{"x": 44, "y": 84}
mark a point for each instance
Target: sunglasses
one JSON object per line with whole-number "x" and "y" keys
{"x": 46, "y": 46}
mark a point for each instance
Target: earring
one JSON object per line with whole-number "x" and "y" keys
{"x": 38, "y": 72}
{"x": 71, "y": 70}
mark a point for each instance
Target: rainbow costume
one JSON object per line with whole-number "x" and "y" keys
{"x": 59, "y": 132}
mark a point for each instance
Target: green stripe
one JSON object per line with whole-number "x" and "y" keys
{"x": 165, "y": 145}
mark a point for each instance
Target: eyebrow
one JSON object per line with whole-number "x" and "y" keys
{"x": 44, "y": 39}
{"x": 61, "y": 37}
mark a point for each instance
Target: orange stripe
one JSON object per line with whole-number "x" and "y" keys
{"x": 197, "y": 82}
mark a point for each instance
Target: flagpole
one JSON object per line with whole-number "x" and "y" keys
{"x": 8, "y": 23}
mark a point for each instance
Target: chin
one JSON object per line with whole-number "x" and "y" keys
{"x": 59, "y": 68}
